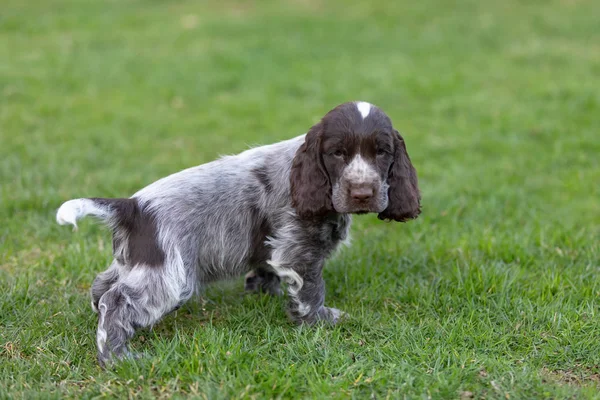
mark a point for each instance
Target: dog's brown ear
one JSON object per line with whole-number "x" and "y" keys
{"x": 310, "y": 186}
{"x": 404, "y": 196}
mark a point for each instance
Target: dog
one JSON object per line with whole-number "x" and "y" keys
{"x": 273, "y": 212}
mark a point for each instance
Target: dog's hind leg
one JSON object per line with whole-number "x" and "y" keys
{"x": 103, "y": 282}
{"x": 137, "y": 300}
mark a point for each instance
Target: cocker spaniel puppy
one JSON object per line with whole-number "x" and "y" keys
{"x": 272, "y": 212}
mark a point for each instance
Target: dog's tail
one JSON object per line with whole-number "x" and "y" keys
{"x": 113, "y": 212}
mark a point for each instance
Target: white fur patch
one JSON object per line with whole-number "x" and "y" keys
{"x": 290, "y": 276}
{"x": 303, "y": 309}
{"x": 360, "y": 171}
{"x": 101, "y": 334}
{"x": 364, "y": 108}
{"x": 73, "y": 210}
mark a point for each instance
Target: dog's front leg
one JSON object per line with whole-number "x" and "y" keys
{"x": 306, "y": 301}
{"x": 306, "y": 290}
{"x": 262, "y": 280}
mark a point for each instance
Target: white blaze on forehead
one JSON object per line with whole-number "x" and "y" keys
{"x": 364, "y": 108}
{"x": 360, "y": 171}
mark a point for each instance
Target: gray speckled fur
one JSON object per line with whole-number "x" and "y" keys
{"x": 207, "y": 219}
{"x": 223, "y": 219}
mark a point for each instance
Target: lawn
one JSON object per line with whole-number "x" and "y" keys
{"x": 494, "y": 292}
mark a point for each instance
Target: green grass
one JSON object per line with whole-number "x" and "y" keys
{"x": 494, "y": 290}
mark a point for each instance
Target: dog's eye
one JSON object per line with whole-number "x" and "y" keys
{"x": 338, "y": 153}
{"x": 382, "y": 152}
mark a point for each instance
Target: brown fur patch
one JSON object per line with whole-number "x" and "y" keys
{"x": 139, "y": 233}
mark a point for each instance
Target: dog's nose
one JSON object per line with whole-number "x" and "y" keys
{"x": 361, "y": 193}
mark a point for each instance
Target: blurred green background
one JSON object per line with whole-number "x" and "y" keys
{"x": 491, "y": 293}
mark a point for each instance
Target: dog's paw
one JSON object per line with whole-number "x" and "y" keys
{"x": 108, "y": 360}
{"x": 331, "y": 315}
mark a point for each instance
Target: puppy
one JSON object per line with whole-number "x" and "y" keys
{"x": 272, "y": 212}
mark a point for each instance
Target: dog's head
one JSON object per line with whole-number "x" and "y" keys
{"x": 354, "y": 161}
